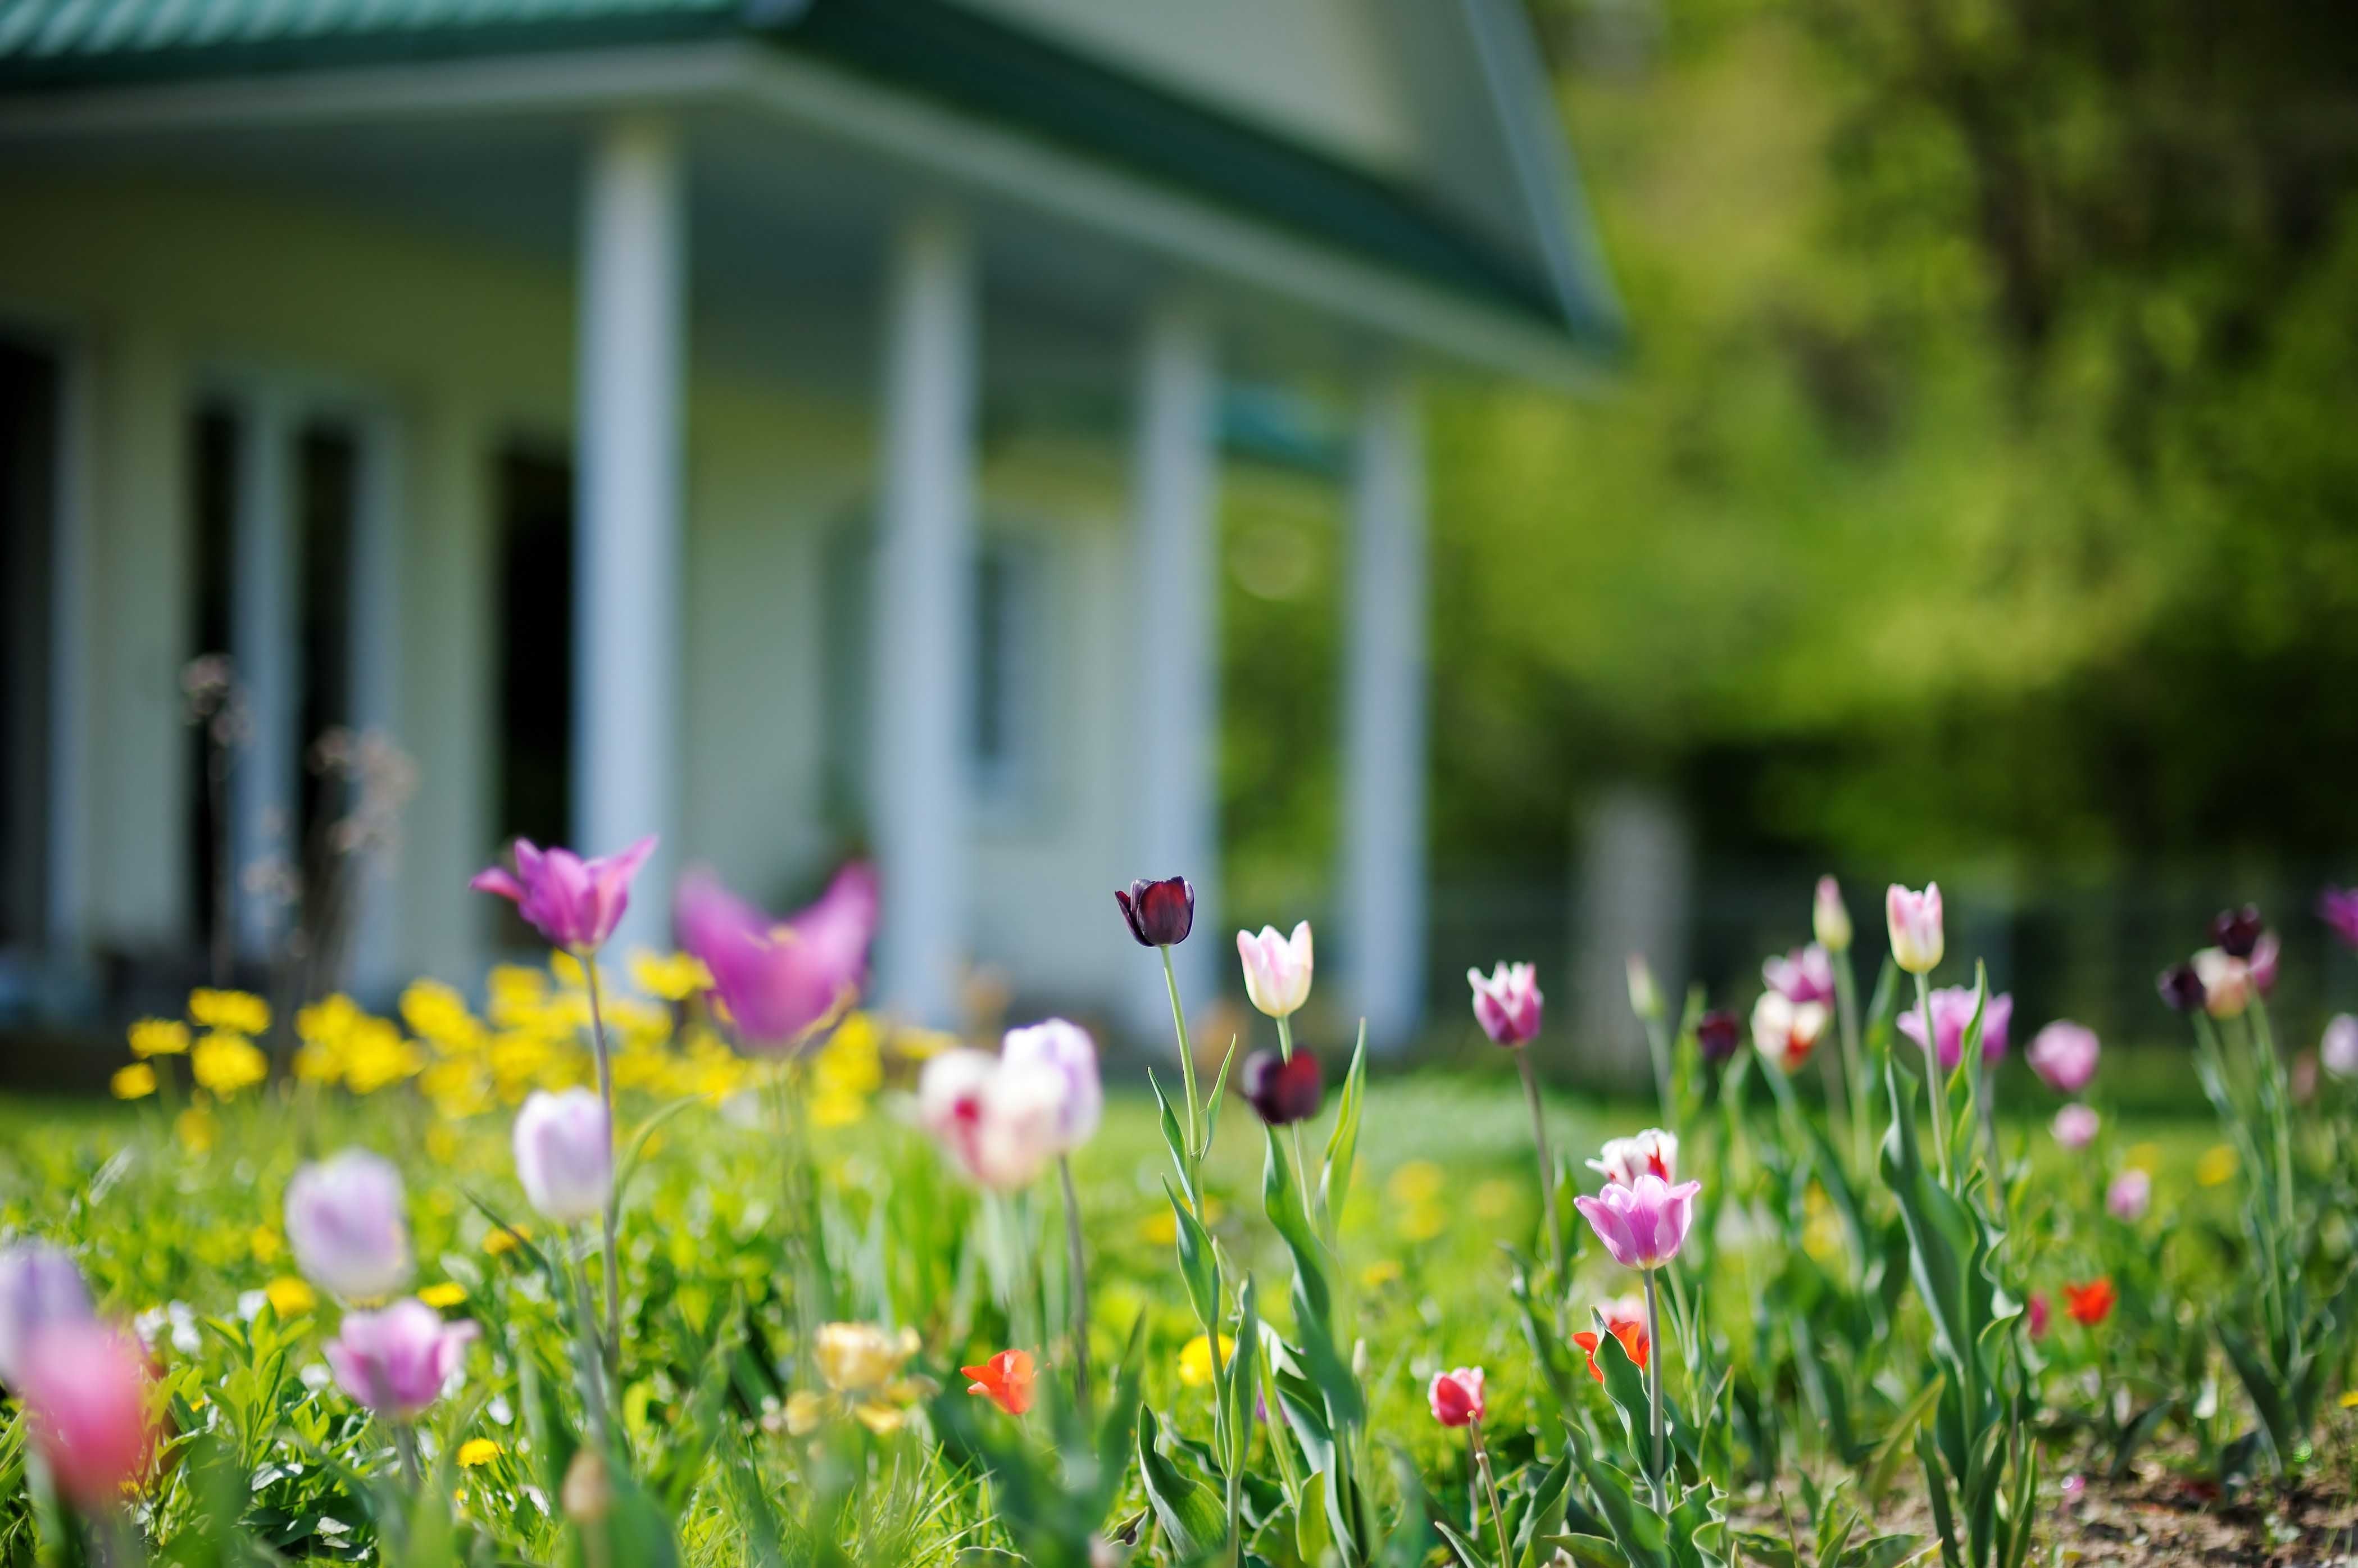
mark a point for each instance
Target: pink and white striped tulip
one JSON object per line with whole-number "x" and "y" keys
{"x": 1277, "y": 969}
{"x": 1508, "y": 1003}
{"x": 1622, "y": 1160}
{"x": 1644, "y": 1224}
{"x": 1914, "y": 919}
{"x": 1001, "y": 1122}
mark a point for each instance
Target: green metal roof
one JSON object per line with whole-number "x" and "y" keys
{"x": 940, "y": 50}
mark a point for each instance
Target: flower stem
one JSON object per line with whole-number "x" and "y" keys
{"x": 1547, "y": 1165}
{"x": 593, "y": 1372}
{"x": 1654, "y": 1390}
{"x": 405, "y": 1440}
{"x": 1854, "y": 1070}
{"x": 1186, "y": 1068}
{"x": 1933, "y": 1080}
{"x": 1077, "y": 1270}
{"x": 1490, "y": 1483}
{"x": 1301, "y": 1166}
{"x": 588, "y": 962}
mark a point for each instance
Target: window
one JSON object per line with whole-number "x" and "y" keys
{"x": 535, "y": 644}
{"x": 28, "y": 449}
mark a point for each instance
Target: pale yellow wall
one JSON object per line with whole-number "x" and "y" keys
{"x": 468, "y": 345}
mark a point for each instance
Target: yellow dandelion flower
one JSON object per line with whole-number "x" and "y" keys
{"x": 318, "y": 1064}
{"x": 1383, "y": 1272}
{"x": 225, "y": 1063}
{"x": 836, "y": 1108}
{"x": 1495, "y": 1200}
{"x": 1422, "y": 1221}
{"x": 918, "y": 1044}
{"x": 2216, "y": 1166}
{"x": 478, "y": 1451}
{"x": 290, "y": 1297}
{"x": 1196, "y": 1368}
{"x": 2146, "y": 1157}
{"x": 456, "y": 1088}
{"x": 159, "y": 1037}
{"x": 506, "y": 1238}
{"x": 1418, "y": 1182}
{"x": 673, "y": 977}
{"x": 376, "y": 1055}
{"x": 566, "y": 968}
{"x": 443, "y": 1294}
{"x": 134, "y": 1082}
{"x": 2350, "y": 1401}
{"x": 265, "y": 1243}
{"x": 237, "y": 1012}
{"x": 196, "y": 1129}
{"x": 329, "y": 1020}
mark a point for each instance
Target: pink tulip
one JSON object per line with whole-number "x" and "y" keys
{"x": 1806, "y": 974}
{"x": 2075, "y": 1126}
{"x": 2262, "y": 964}
{"x": 1622, "y": 1160}
{"x": 1507, "y": 1005}
{"x": 1953, "y": 1009}
{"x": 1277, "y": 969}
{"x": 1644, "y": 1224}
{"x": 2129, "y": 1196}
{"x": 344, "y": 1222}
{"x": 781, "y": 981}
{"x": 396, "y": 1361}
{"x": 1914, "y": 919}
{"x": 2065, "y": 1055}
{"x": 1456, "y": 1397}
{"x": 2337, "y": 908}
{"x": 39, "y": 1286}
{"x": 85, "y": 1389}
{"x": 2039, "y": 1312}
{"x": 576, "y": 904}
{"x": 2339, "y": 1049}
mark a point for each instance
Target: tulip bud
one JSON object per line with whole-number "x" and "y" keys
{"x": 2129, "y": 1196}
{"x": 1277, "y": 969}
{"x": 2075, "y": 1126}
{"x": 85, "y": 1390}
{"x": 1830, "y": 918}
{"x": 2065, "y": 1055}
{"x": 1456, "y": 1397}
{"x": 2237, "y": 931}
{"x": 1507, "y": 1004}
{"x": 344, "y": 1222}
{"x": 1282, "y": 1091}
{"x": 1717, "y": 1034}
{"x": 1644, "y": 996}
{"x": 1066, "y": 1050}
{"x": 1914, "y": 919}
{"x": 395, "y": 1362}
{"x": 39, "y": 1286}
{"x": 2338, "y": 1048}
{"x": 2180, "y": 988}
{"x": 565, "y": 1155}
{"x": 1161, "y": 914}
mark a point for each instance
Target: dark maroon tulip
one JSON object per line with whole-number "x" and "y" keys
{"x": 1159, "y": 913}
{"x": 2237, "y": 931}
{"x": 1282, "y": 1091}
{"x": 1718, "y": 1034}
{"x": 2181, "y": 988}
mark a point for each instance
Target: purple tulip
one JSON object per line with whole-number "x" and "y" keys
{"x": 2337, "y": 908}
{"x": 1806, "y": 974}
{"x": 1507, "y": 1003}
{"x": 1718, "y": 1034}
{"x": 565, "y": 1155}
{"x": 1644, "y": 1224}
{"x": 576, "y": 904}
{"x": 395, "y": 1361}
{"x": 2237, "y": 930}
{"x": 2180, "y": 988}
{"x": 1280, "y": 1090}
{"x": 2129, "y": 1196}
{"x": 781, "y": 981}
{"x": 2065, "y": 1055}
{"x": 39, "y": 1286}
{"x": 1065, "y": 1049}
{"x": 344, "y": 1222}
{"x": 1159, "y": 913}
{"x": 1953, "y": 1009}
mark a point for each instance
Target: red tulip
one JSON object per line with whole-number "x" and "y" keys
{"x": 2090, "y": 1304}
{"x": 1456, "y": 1397}
{"x": 1005, "y": 1380}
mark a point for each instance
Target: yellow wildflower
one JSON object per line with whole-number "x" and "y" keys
{"x": 265, "y": 1243}
{"x": 443, "y": 1294}
{"x": 1419, "y": 1181}
{"x": 2216, "y": 1166}
{"x": 196, "y": 1129}
{"x": 566, "y": 968}
{"x": 1422, "y": 1220}
{"x": 290, "y": 1297}
{"x": 1382, "y": 1272}
{"x": 226, "y": 1062}
{"x": 477, "y": 1452}
{"x": 456, "y": 1088}
{"x": 134, "y": 1082}
{"x": 2350, "y": 1401}
{"x": 506, "y": 1238}
{"x": 238, "y": 1012}
{"x": 804, "y": 1411}
{"x": 329, "y": 1020}
{"x": 857, "y": 1358}
{"x": 2146, "y": 1157}
{"x": 375, "y": 1055}
{"x": 1196, "y": 1368}
{"x": 917, "y": 1044}
{"x": 159, "y": 1037}
{"x": 1495, "y": 1200}
{"x": 673, "y": 977}
{"x": 1159, "y": 1227}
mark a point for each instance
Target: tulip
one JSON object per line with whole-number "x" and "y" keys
{"x": 1830, "y": 918}
{"x": 1066, "y": 1050}
{"x": 1718, "y": 1034}
{"x": 2337, "y": 908}
{"x": 1806, "y": 974}
{"x": 1006, "y": 1378}
{"x": 2237, "y": 931}
{"x": 1644, "y": 996}
{"x": 1914, "y": 919}
{"x": 39, "y": 1286}
{"x": 1277, "y": 969}
{"x": 1784, "y": 1030}
{"x": 1000, "y": 1121}
{"x": 2090, "y": 1304}
{"x": 2075, "y": 1126}
{"x": 2338, "y": 1048}
{"x": 1281, "y": 1090}
{"x": 1456, "y": 1397}
{"x": 780, "y": 982}
{"x": 862, "y": 1358}
{"x": 2262, "y": 964}
{"x": 85, "y": 1388}
{"x": 1622, "y": 1160}
{"x": 2180, "y": 988}
{"x": 2226, "y": 982}
{"x": 1624, "y": 1320}
{"x": 2038, "y": 1312}
{"x": 1161, "y": 914}
{"x": 2064, "y": 1055}
{"x": 2129, "y": 1196}
{"x": 1644, "y": 1224}
{"x": 576, "y": 904}
{"x": 565, "y": 1155}
{"x": 1507, "y": 1005}
{"x": 1953, "y": 1011}
{"x": 396, "y": 1361}
{"x": 344, "y": 1222}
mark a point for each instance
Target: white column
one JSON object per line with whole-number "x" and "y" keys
{"x": 375, "y": 594}
{"x": 262, "y": 644}
{"x": 628, "y": 435}
{"x": 922, "y": 612}
{"x": 1384, "y": 717}
{"x": 1175, "y": 640}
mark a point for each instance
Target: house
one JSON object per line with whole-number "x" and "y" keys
{"x": 784, "y": 424}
